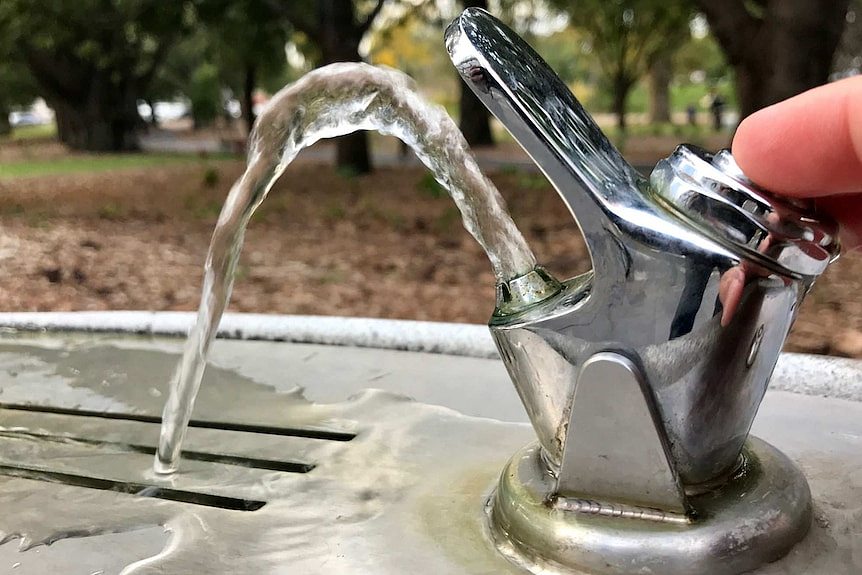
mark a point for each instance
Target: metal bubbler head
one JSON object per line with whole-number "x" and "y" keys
{"x": 642, "y": 377}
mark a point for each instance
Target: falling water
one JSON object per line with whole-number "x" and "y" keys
{"x": 329, "y": 102}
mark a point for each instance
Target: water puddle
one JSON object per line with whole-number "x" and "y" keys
{"x": 102, "y": 554}
{"x": 341, "y": 515}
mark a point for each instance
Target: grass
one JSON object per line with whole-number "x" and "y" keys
{"x": 429, "y": 186}
{"x": 41, "y": 132}
{"x": 90, "y": 163}
{"x": 686, "y": 131}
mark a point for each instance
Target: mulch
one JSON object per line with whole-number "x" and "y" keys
{"x": 385, "y": 245}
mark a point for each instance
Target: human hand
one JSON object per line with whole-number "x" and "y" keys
{"x": 810, "y": 146}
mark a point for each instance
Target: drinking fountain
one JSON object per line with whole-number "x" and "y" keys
{"x": 330, "y": 445}
{"x": 642, "y": 378}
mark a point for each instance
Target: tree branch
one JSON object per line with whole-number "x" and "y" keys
{"x": 146, "y": 75}
{"x": 57, "y": 74}
{"x": 735, "y": 28}
{"x": 299, "y": 17}
{"x": 369, "y": 20}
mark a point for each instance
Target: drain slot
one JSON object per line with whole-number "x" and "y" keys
{"x": 251, "y": 462}
{"x": 199, "y": 423}
{"x": 138, "y": 489}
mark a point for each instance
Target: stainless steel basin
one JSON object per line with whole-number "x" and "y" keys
{"x": 296, "y": 467}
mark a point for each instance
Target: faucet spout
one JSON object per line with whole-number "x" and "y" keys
{"x": 543, "y": 116}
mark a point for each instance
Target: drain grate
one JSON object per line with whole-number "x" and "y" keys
{"x": 255, "y": 448}
{"x": 138, "y": 489}
{"x": 253, "y": 462}
{"x": 197, "y": 423}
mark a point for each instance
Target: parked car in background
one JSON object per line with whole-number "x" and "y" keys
{"x": 26, "y": 118}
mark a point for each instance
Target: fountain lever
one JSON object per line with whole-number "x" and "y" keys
{"x": 642, "y": 377}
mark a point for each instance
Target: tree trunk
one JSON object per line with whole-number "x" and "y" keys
{"x": 5, "y": 126}
{"x": 339, "y": 42}
{"x": 104, "y": 131}
{"x": 248, "y": 87}
{"x": 806, "y": 36}
{"x": 106, "y": 122}
{"x": 473, "y": 117}
{"x": 352, "y": 155}
{"x": 786, "y": 51}
{"x": 752, "y": 91}
{"x": 620, "y": 99}
{"x": 99, "y": 112}
{"x": 660, "y": 73}
{"x": 154, "y": 120}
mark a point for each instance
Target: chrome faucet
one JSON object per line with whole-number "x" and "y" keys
{"x": 642, "y": 377}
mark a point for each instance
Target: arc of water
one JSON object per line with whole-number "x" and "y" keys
{"x": 333, "y": 101}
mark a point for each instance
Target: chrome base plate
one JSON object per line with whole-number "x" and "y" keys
{"x": 753, "y": 519}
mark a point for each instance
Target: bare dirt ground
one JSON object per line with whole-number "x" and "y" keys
{"x": 385, "y": 245}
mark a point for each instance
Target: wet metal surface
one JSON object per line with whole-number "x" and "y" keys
{"x": 396, "y": 498}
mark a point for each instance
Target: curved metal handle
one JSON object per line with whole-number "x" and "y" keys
{"x": 541, "y": 113}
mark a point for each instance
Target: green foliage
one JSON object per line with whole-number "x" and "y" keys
{"x": 679, "y": 131}
{"x": 171, "y": 79}
{"x": 335, "y": 29}
{"x": 532, "y": 181}
{"x": 92, "y": 163}
{"x": 245, "y": 33}
{"x": 683, "y": 94}
{"x": 111, "y": 212}
{"x": 334, "y": 212}
{"x": 201, "y": 207}
{"x": 211, "y": 177}
{"x": 569, "y": 53}
{"x": 104, "y": 35}
{"x": 17, "y": 87}
{"x": 701, "y": 55}
{"x": 94, "y": 58}
{"x": 429, "y": 186}
{"x": 235, "y": 38}
{"x": 91, "y": 59}
{"x": 204, "y": 91}
{"x": 413, "y": 45}
{"x": 626, "y": 35}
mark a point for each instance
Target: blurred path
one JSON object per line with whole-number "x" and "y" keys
{"x": 506, "y": 155}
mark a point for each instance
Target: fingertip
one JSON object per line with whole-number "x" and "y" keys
{"x": 807, "y": 145}
{"x": 754, "y": 144}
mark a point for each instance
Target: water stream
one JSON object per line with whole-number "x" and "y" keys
{"x": 329, "y": 102}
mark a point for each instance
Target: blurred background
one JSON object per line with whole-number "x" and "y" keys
{"x": 123, "y": 125}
